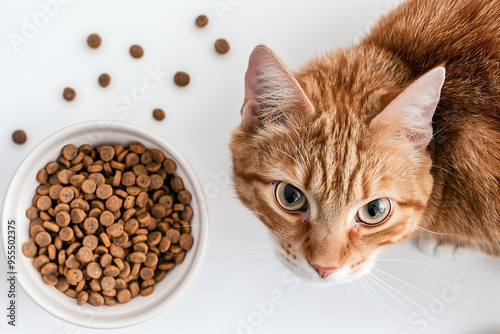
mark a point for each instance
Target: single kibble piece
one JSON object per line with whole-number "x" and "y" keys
{"x": 94, "y": 270}
{"x": 64, "y": 175}
{"x": 201, "y": 21}
{"x": 69, "y": 94}
{"x": 43, "y": 239}
{"x": 66, "y": 195}
{"x": 43, "y": 203}
{"x": 84, "y": 255}
{"x": 181, "y": 79}
{"x": 177, "y": 184}
{"x": 114, "y": 203}
{"x": 173, "y": 235}
{"x": 66, "y": 233}
{"x": 91, "y": 242}
{"x": 82, "y": 298}
{"x": 221, "y": 46}
{"x": 136, "y": 51}
{"x": 50, "y": 279}
{"x": 158, "y": 114}
{"x": 94, "y": 41}
{"x": 107, "y": 153}
{"x": 29, "y": 249}
{"x": 184, "y": 196}
{"x": 104, "y": 191}
{"x": 186, "y": 241}
{"x": 123, "y": 296}
{"x": 106, "y": 218}
{"x": 69, "y": 152}
{"x": 96, "y": 299}
{"x": 88, "y": 186}
{"x": 107, "y": 283}
{"x": 104, "y": 80}
{"x": 48, "y": 269}
{"x": 170, "y": 166}
{"x": 54, "y": 191}
{"x": 19, "y": 137}
{"x": 74, "y": 276}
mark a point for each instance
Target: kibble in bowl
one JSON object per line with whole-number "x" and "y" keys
{"x": 109, "y": 241}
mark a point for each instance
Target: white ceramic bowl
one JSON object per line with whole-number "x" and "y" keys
{"x": 19, "y": 198}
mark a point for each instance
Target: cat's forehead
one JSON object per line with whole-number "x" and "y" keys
{"x": 322, "y": 157}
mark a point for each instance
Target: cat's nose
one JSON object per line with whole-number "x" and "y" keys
{"x": 323, "y": 271}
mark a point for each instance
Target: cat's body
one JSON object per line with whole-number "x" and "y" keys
{"x": 353, "y": 127}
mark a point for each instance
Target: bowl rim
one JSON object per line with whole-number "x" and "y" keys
{"x": 107, "y": 126}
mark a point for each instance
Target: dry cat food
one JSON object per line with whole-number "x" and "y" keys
{"x": 104, "y": 80}
{"x": 107, "y": 223}
{"x": 94, "y": 41}
{"x": 69, "y": 94}
{"x": 19, "y": 137}
{"x": 201, "y": 21}
{"x": 221, "y": 46}
{"x": 181, "y": 79}
{"x": 136, "y": 51}
{"x": 158, "y": 114}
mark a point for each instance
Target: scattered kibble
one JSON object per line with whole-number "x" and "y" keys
{"x": 201, "y": 21}
{"x": 181, "y": 79}
{"x": 221, "y": 46}
{"x": 94, "y": 41}
{"x": 158, "y": 114}
{"x": 136, "y": 51}
{"x": 19, "y": 137}
{"x": 104, "y": 80}
{"x": 69, "y": 94}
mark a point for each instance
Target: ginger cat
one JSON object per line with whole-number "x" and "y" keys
{"x": 397, "y": 136}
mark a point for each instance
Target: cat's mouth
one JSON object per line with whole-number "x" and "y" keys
{"x": 345, "y": 273}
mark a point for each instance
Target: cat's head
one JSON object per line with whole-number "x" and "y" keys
{"x": 333, "y": 161}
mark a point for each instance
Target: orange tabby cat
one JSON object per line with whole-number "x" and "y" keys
{"x": 367, "y": 146}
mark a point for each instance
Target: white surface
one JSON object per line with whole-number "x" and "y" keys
{"x": 17, "y": 199}
{"x": 241, "y": 287}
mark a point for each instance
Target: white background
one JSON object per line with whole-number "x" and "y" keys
{"x": 236, "y": 287}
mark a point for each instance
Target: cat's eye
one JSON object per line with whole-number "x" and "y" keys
{"x": 375, "y": 212}
{"x": 289, "y": 198}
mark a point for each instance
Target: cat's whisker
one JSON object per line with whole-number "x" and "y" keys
{"x": 438, "y": 233}
{"x": 426, "y": 264}
{"x": 383, "y": 303}
{"x": 242, "y": 253}
{"x": 255, "y": 285}
{"x": 258, "y": 239}
{"x": 357, "y": 293}
{"x": 245, "y": 267}
{"x": 375, "y": 278}
{"x": 419, "y": 290}
{"x": 362, "y": 281}
{"x": 348, "y": 292}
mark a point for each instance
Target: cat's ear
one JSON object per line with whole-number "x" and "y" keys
{"x": 410, "y": 113}
{"x": 271, "y": 91}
